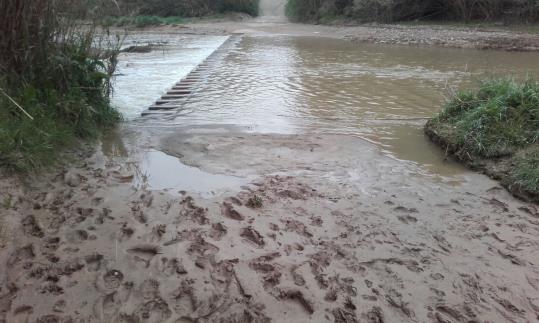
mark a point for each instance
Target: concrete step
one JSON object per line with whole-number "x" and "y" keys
{"x": 163, "y": 107}
{"x": 178, "y": 92}
{"x": 170, "y": 101}
{"x": 155, "y": 112}
{"x": 173, "y": 96}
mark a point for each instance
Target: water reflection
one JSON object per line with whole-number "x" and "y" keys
{"x": 317, "y": 85}
{"x": 159, "y": 171}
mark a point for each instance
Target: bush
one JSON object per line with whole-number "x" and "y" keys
{"x": 526, "y": 170}
{"x": 404, "y": 10}
{"x": 495, "y": 129}
{"x": 496, "y": 120}
{"x": 55, "y": 82}
{"x": 185, "y": 8}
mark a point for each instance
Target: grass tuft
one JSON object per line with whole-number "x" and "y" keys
{"x": 495, "y": 128}
{"x": 525, "y": 172}
{"x": 496, "y": 120}
{"x": 55, "y": 81}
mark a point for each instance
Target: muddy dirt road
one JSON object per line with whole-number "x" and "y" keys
{"x": 212, "y": 222}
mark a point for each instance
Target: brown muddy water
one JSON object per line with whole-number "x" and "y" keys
{"x": 290, "y": 85}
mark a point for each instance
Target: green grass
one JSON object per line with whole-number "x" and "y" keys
{"x": 526, "y": 169}
{"x": 66, "y": 98}
{"x": 59, "y": 121}
{"x": 499, "y": 118}
{"x": 54, "y": 82}
{"x": 494, "y": 128}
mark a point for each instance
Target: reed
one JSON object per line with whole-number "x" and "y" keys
{"x": 55, "y": 70}
{"x": 521, "y": 11}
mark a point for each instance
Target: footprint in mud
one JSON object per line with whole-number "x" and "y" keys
{"x": 316, "y": 221}
{"x": 172, "y": 267}
{"x": 202, "y": 248}
{"x": 158, "y": 232}
{"x": 196, "y": 213}
{"x": 407, "y": 219}
{"x": 20, "y": 255}
{"x": 291, "y": 195}
{"x": 297, "y": 296}
{"x": 149, "y": 289}
{"x": 77, "y": 236}
{"x": 342, "y": 315}
{"x": 144, "y": 253}
{"x": 22, "y": 313}
{"x": 51, "y": 318}
{"x": 31, "y": 227}
{"x": 93, "y": 262}
{"x": 126, "y": 232}
{"x": 51, "y": 288}
{"x": 228, "y": 211}
{"x": 218, "y": 231}
{"x": 113, "y": 279}
{"x": 253, "y": 236}
{"x": 156, "y": 310}
{"x": 127, "y": 318}
{"x": 138, "y": 214}
{"x": 82, "y": 215}
{"x": 107, "y": 308}
{"x": 51, "y": 245}
{"x": 105, "y": 214}
{"x": 405, "y": 209}
{"x": 59, "y": 306}
{"x": 234, "y": 200}
{"x": 185, "y": 298}
{"x": 442, "y": 242}
{"x": 374, "y": 315}
{"x": 297, "y": 277}
{"x": 296, "y": 226}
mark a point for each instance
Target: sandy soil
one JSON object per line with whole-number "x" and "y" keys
{"x": 328, "y": 230}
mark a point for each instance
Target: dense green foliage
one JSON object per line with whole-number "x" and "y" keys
{"x": 526, "y": 169}
{"x": 498, "y": 122}
{"x": 405, "y": 10}
{"x": 179, "y": 8}
{"x": 498, "y": 119}
{"x": 54, "y": 82}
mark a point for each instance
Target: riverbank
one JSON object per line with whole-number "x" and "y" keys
{"x": 493, "y": 129}
{"x": 457, "y": 36}
{"x": 301, "y": 241}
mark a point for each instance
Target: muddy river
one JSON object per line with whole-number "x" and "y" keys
{"x": 290, "y": 85}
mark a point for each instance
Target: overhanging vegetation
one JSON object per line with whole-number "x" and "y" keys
{"x": 54, "y": 80}
{"x": 520, "y": 11}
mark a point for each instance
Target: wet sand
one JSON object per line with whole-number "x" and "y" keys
{"x": 328, "y": 229}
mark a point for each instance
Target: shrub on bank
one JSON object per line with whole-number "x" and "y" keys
{"x": 406, "y": 10}
{"x": 496, "y": 125}
{"x": 54, "y": 83}
{"x": 180, "y": 8}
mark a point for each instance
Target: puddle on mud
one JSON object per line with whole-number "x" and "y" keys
{"x": 159, "y": 171}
